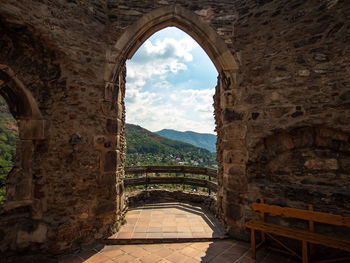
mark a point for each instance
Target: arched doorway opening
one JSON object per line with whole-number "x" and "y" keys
{"x": 170, "y": 83}
{"x": 222, "y": 58}
{"x": 31, "y": 127}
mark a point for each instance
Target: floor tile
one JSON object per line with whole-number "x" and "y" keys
{"x": 152, "y": 258}
{"x": 113, "y": 253}
{"x": 164, "y": 252}
{"x": 183, "y": 219}
{"x": 138, "y": 252}
{"x": 125, "y": 259}
{"x": 177, "y": 257}
{"x": 97, "y": 258}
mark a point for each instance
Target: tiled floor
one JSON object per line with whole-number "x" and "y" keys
{"x": 210, "y": 252}
{"x": 169, "y": 220}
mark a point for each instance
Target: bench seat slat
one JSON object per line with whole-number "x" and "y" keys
{"x": 299, "y": 234}
{"x": 302, "y": 214}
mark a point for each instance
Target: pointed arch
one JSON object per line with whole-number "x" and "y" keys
{"x": 175, "y": 15}
{"x": 31, "y": 127}
{"x": 21, "y": 102}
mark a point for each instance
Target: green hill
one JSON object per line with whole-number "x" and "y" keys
{"x": 8, "y": 139}
{"x": 147, "y": 148}
{"x": 140, "y": 140}
{"x": 203, "y": 140}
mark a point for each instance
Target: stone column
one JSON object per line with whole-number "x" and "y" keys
{"x": 233, "y": 157}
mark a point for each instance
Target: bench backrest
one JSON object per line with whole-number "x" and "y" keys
{"x": 309, "y": 215}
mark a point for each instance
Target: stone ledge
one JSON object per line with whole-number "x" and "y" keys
{"x": 157, "y": 196}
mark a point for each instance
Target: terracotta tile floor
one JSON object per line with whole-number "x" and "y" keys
{"x": 211, "y": 252}
{"x": 160, "y": 221}
{"x": 169, "y": 220}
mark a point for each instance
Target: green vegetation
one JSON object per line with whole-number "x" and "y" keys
{"x": 147, "y": 148}
{"x": 8, "y": 139}
{"x": 202, "y": 140}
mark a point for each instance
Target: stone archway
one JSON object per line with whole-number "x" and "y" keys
{"x": 177, "y": 16}
{"x": 31, "y": 127}
{"x": 228, "y": 122}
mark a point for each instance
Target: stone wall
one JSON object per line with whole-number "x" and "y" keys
{"x": 141, "y": 197}
{"x": 283, "y": 83}
{"x": 73, "y": 192}
{"x": 293, "y": 88}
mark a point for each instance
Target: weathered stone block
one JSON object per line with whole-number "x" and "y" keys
{"x": 105, "y": 207}
{"x": 234, "y": 169}
{"x": 232, "y": 144}
{"x": 114, "y": 126}
{"x": 32, "y": 232}
{"x": 234, "y": 131}
{"x": 236, "y": 183}
{"x": 65, "y": 233}
{"x": 322, "y": 164}
{"x": 235, "y": 156}
{"x": 230, "y": 115}
{"x": 110, "y": 161}
{"x": 303, "y": 137}
{"x": 345, "y": 163}
{"x": 76, "y": 138}
{"x": 233, "y": 212}
{"x": 32, "y": 129}
{"x": 108, "y": 178}
{"x": 279, "y": 143}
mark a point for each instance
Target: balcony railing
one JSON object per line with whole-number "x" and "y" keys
{"x": 188, "y": 171}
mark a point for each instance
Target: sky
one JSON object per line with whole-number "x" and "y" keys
{"x": 170, "y": 84}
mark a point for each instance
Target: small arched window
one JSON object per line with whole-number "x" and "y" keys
{"x": 8, "y": 140}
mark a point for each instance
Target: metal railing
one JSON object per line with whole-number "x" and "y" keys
{"x": 146, "y": 180}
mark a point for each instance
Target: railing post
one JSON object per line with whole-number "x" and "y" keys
{"x": 146, "y": 181}
{"x": 209, "y": 191}
{"x": 183, "y": 185}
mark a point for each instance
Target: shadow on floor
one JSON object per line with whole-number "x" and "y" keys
{"x": 207, "y": 252}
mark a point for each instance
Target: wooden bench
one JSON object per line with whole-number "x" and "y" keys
{"x": 308, "y": 237}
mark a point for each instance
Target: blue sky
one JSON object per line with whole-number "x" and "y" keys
{"x": 170, "y": 84}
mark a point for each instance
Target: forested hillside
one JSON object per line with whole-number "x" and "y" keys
{"x": 202, "y": 140}
{"x": 8, "y": 138}
{"x": 147, "y": 148}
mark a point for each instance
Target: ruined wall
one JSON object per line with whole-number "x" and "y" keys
{"x": 57, "y": 49}
{"x": 294, "y": 80}
{"x": 293, "y": 74}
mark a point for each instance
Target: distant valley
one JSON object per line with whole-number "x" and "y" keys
{"x": 202, "y": 140}
{"x": 147, "y": 148}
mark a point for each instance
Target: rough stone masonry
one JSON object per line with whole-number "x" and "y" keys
{"x": 282, "y": 108}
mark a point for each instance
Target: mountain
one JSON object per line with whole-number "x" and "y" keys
{"x": 203, "y": 140}
{"x": 140, "y": 140}
{"x": 147, "y": 148}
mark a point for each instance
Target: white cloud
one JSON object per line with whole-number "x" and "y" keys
{"x": 161, "y": 58}
{"x": 154, "y": 101}
{"x": 181, "y": 111}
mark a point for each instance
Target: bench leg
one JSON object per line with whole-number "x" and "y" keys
{"x": 305, "y": 252}
{"x": 252, "y": 243}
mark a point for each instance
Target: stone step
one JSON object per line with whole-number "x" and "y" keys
{"x": 123, "y": 241}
